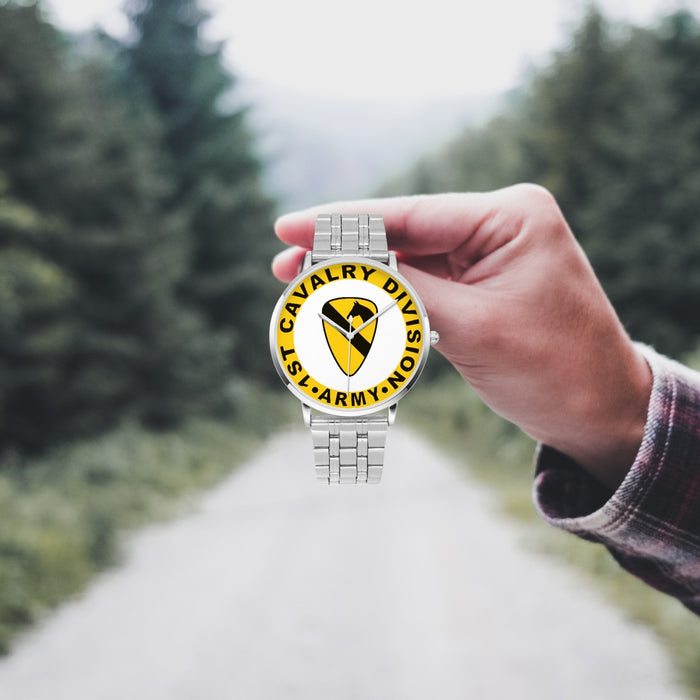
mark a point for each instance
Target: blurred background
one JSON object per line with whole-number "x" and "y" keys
{"x": 145, "y": 151}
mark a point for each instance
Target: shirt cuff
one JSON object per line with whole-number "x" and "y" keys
{"x": 651, "y": 523}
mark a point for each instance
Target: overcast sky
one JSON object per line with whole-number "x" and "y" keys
{"x": 382, "y": 49}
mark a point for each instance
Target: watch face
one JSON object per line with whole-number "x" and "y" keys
{"x": 349, "y": 336}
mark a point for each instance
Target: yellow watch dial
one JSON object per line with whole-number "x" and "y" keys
{"x": 349, "y": 336}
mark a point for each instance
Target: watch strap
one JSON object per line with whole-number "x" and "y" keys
{"x": 349, "y": 450}
{"x": 350, "y": 235}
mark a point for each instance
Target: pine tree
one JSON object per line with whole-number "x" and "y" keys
{"x": 217, "y": 173}
{"x": 37, "y": 331}
{"x": 99, "y": 259}
{"x": 606, "y": 132}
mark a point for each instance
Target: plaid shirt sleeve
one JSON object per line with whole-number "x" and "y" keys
{"x": 651, "y": 523}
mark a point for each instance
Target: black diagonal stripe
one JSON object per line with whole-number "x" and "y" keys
{"x": 361, "y": 344}
{"x": 358, "y": 342}
{"x": 329, "y": 311}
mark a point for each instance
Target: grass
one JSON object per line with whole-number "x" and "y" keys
{"x": 499, "y": 454}
{"x": 63, "y": 516}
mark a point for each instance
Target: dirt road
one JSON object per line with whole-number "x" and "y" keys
{"x": 277, "y": 588}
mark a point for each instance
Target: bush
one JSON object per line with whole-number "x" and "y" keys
{"x": 62, "y": 516}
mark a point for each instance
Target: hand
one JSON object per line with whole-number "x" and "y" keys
{"x": 369, "y": 320}
{"x": 520, "y": 313}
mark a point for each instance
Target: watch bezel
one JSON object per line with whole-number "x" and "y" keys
{"x": 319, "y": 405}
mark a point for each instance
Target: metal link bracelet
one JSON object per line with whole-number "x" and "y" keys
{"x": 360, "y": 235}
{"x": 349, "y": 450}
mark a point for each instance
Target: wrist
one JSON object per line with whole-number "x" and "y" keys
{"x": 611, "y": 422}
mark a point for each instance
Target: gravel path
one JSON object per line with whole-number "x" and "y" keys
{"x": 277, "y": 588}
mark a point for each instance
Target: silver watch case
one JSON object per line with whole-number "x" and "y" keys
{"x": 348, "y": 412}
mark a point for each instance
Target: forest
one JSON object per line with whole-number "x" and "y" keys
{"x": 136, "y": 237}
{"x": 135, "y": 292}
{"x": 134, "y": 229}
{"x": 611, "y": 126}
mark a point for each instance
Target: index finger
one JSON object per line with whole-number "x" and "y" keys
{"x": 416, "y": 225}
{"x": 453, "y": 232}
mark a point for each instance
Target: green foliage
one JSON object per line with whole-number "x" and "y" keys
{"x": 625, "y": 165}
{"x": 97, "y": 326}
{"x": 130, "y": 230}
{"x": 62, "y": 516}
{"x": 611, "y": 127}
{"x": 217, "y": 176}
{"x": 457, "y": 420}
{"x": 37, "y": 329}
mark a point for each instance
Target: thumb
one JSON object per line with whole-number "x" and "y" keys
{"x": 458, "y": 312}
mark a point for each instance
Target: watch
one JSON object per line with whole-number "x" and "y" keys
{"x": 349, "y": 337}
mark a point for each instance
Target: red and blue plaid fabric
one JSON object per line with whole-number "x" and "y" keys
{"x": 651, "y": 524}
